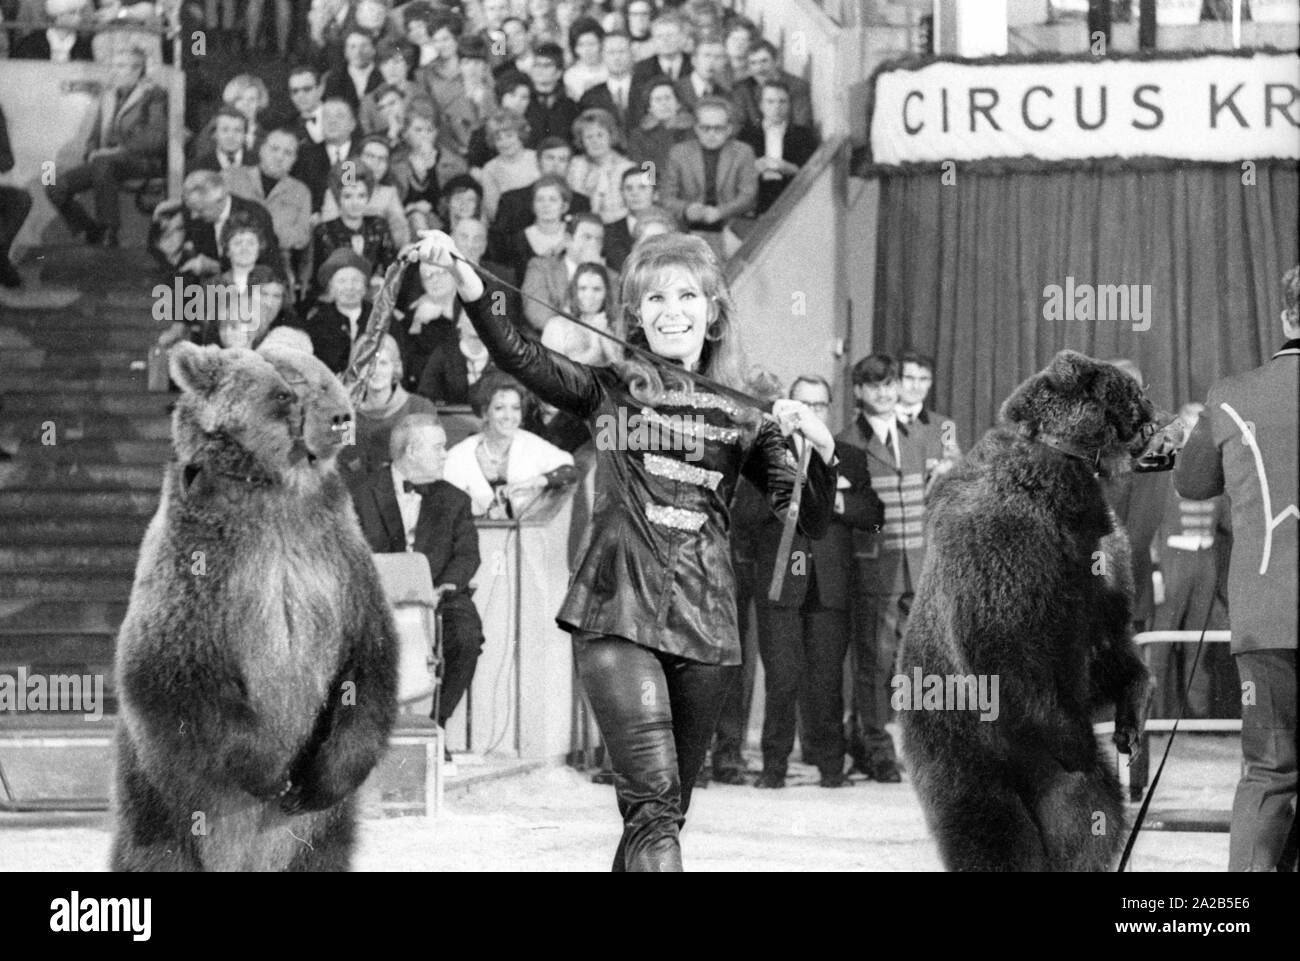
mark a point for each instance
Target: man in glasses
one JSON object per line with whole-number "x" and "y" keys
{"x": 307, "y": 93}
{"x": 712, "y": 179}
{"x": 804, "y": 634}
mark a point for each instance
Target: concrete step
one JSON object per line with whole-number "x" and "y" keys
{"x": 149, "y": 453}
{"x": 88, "y": 381}
{"x": 61, "y": 617}
{"x": 65, "y": 755}
{"x": 91, "y": 558}
{"x": 107, "y": 531}
{"x": 91, "y": 339}
{"x": 34, "y": 648}
{"x": 82, "y": 476}
{"x": 28, "y": 503}
{"x": 56, "y": 358}
{"x": 86, "y": 315}
{"x": 51, "y": 403}
{"x": 51, "y": 655}
{"x": 66, "y": 585}
{"x": 33, "y": 426}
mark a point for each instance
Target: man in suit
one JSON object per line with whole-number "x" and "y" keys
{"x": 639, "y": 195}
{"x": 285, "y": 198}
{"x": 208, "y": 206}
{"x": 547, "y": 278}
{"x": 888, "y": 563}
{"x": 803, "y": 635}
{"x": 407, "y": 506}
{"x": 707, "y": 77}
{"x": 307, "y": 93}
{"x": 339, "y": 142}
{"x": 670, "y": 59}
{"x": 780, "y": 146}
{"x": 227, "y": 148}
{"x": 550, "y": 112}
{"x": 710, "y": 179}
{"x": 1245, "y": 445}
{"x": 764, "y": 65}
{"x": 128, "y": 139}
{"x": 15, "y": 205}
{"x": 197, "y": 253}
{"x": 358, "y": 76}
{"x": 615, "y": 94}
{"x": 914, "y": 384}
{"x": 61, "y": 41}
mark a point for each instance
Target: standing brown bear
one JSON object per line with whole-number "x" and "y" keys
{"x": 256, "y": 665}
{"x": 1026, "y": 586}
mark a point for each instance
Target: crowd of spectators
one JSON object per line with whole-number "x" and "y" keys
{"x": 558, "y": 131}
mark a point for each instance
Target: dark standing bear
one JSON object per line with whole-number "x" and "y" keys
{"x": 1027, "y": 580}
{"x": 257, "y": 661}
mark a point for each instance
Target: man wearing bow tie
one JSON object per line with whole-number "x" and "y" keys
{"x": 407, "y": 506}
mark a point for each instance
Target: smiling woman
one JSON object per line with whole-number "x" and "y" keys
{"x": 651, "y": 606}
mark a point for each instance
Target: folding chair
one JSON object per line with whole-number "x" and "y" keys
{"x": 408, "y": 585}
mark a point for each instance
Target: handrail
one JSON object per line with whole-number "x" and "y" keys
{"x": 771, "y": 221}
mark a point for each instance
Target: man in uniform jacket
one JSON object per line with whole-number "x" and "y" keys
{"x": 803, "y": 635}
{"x": 903, "y": 462}
{"x": 407, "y": 506}
{"x": 1245, "y": 445}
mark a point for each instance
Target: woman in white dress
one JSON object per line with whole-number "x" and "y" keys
{"x": 504, "y": 468}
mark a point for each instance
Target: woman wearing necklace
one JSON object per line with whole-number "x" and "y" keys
{"x": 651, "y": 605}
{"x": 504, "y": 467}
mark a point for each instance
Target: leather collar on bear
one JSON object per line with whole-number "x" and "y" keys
{"x": 1071, "y": 449}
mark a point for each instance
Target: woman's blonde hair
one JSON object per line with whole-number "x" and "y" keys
{"x": 244, "y": 81}
{"x": 723, "y": 357}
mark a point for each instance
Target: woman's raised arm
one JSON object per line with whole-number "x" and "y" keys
{"x": 553, "y": 377}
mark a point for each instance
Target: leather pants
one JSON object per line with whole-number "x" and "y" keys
{"x": 656, "y": 713}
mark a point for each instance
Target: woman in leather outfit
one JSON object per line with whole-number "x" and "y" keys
{"x": 651, "y": 606}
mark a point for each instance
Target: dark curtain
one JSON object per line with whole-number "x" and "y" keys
{"x": 961, "y": 272}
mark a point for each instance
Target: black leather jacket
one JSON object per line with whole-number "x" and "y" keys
{"x": 657, "y": 567}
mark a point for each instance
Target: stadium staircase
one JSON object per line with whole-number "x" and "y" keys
{"x": 75, "y": 498}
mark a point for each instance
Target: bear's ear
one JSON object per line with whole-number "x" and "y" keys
{"x": 1023, "y": 406}
{"x": 1071, "y": 372}
{"x": 196, "y": 369}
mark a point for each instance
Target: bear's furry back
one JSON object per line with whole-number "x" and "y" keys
{"x": 1018, "y": 584}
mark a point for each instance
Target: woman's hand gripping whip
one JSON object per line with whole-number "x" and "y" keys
{"x": 366, "y": 352}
